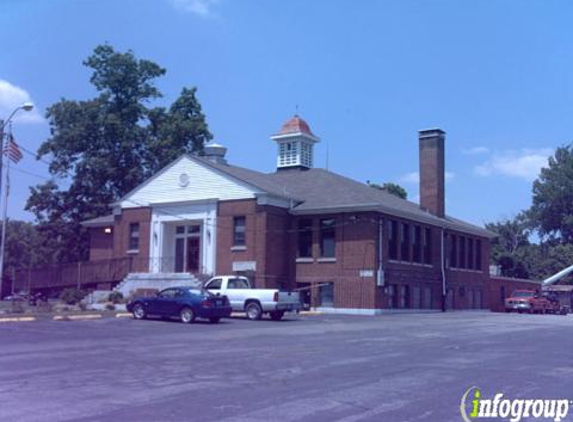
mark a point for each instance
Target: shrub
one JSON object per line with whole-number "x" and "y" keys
{"x": 115, "y": 297}
{"x": 17, "y": 308}
{"x": 44, "y": 307}
{"x": 72, "y": 296}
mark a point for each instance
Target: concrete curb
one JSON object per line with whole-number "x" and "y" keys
{"x": 63, "y": 317}
{"x": 76, "y": 317}
{"x": 17, "y": 319}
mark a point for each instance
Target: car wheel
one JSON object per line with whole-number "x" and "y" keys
{"x": 187, "y": 315}
{"x": 214, "y": 320}
{"x": 277, "y": 316}
{"x": 254, "y": 311}
{"x": 139, "y": 311}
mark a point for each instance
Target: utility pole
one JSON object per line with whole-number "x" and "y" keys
{"x": 26, "y": 107}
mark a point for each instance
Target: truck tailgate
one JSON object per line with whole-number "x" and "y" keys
{"x": 289, "y": 297}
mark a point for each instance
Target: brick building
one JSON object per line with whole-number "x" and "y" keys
{"x": 349, "y": 246}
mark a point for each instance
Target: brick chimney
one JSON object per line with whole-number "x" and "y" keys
{"x": 432, "y": 171}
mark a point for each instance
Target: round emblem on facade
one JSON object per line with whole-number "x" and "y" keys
{"x": 183, "y": 179}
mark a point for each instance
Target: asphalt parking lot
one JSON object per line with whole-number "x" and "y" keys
{"x": 401, "y": 367}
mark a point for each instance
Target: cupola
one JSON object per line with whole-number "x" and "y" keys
{"x": 295, "y": 143}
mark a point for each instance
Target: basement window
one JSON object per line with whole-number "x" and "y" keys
{"x": 305, "y": 238}
{"x": 327, "y": 238}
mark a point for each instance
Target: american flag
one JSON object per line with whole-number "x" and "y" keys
{"x": 12, "y": 150}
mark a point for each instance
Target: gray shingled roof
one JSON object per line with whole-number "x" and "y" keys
{"x": 106, "y": 220}
{"x": 319, "y": 191}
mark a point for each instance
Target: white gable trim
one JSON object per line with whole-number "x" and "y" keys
{"x": 227, "y": 187}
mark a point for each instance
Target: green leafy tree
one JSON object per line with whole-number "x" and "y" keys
{"x": 506, "y": 249}
{"x": 551, "y": 213}
{"x": 25, "y": 246}
{"x": 102, "y": 148}
{"x": 391, "y": 188}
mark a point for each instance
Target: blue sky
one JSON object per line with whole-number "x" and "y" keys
{"x": 366, "y": 75}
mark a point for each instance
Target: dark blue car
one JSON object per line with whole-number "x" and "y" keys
{"x": 185, "y": 303}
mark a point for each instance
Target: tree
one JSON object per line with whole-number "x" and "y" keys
{"x": 391, "y": 188}
{"x": 506, "y": 249}
{"x": 552, "y": 210}
{"x": 102, "y": 148}
{"x": 25, "y": 246}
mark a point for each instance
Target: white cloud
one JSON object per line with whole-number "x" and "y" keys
{"x": 476, "y": 151}
{"x": 12, "y": 96}
{"x": 203, "y": 8}
{"x": 523, "y": 164}
{"x": 414, "y": 177}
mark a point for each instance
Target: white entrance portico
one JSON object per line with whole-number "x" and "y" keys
{"x": 183, "y": 237}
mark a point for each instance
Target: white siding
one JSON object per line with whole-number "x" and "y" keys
{"x": 204, "y": 183}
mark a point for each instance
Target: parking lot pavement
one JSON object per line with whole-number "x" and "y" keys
{"x": 405, "y": 367}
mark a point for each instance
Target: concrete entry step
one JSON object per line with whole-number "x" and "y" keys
{"x": 159, "y": 281}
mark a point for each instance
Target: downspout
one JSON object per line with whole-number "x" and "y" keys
{"x": 380, "y": 271}
{"x": 444, "y": 290}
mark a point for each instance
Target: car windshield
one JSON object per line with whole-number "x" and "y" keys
{"x": 523, "y": 294}
{"x": 199, "y": 292}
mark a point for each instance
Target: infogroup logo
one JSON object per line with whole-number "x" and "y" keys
{"x": 473, "y": 407}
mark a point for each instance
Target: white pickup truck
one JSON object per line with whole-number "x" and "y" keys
{"x": 255, "y": 302}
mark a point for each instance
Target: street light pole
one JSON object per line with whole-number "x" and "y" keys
{"x": 3, "y": 123}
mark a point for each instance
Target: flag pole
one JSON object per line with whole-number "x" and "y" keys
{"x": 4, "y": 213}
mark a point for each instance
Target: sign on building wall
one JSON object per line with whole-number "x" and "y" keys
{"x": 244, "y": 265}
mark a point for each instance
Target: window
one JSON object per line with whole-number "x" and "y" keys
{"x": 427, "y": 300}
{"x": 239, "y": 231}
{"x": 215, "y": 284}
{"x": 392, "y": 288}
{"x": 478, "y": 255}
{"x": 453, "y": 251}
{"x": 168, "y": 293}
{"x": 405, "y": 243}
{"x": 417, "y": 244}
{"x": 427, "y": 247}
{"x": 327, "y": 238}
{"x": 133, "y": 242}
{"x": 416, "y": 297}
{"x": 305, "y": 238}
{"x": 237, "y": 283}
{"x": 471, "y": 254}
{"x": 393, "y": 240}
{"x": 404, "y": 297}
{"x": 463, "y": 255}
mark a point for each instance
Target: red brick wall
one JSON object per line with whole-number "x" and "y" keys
{"x": 356, "y": 250}
{"x": 101, "y": 244}
{"x": 267, "y": 240}
{"x": 226, "y": 212}
{"x": 121, "y": 236}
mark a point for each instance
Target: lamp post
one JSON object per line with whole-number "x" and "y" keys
{"x": 26, "y": 107}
